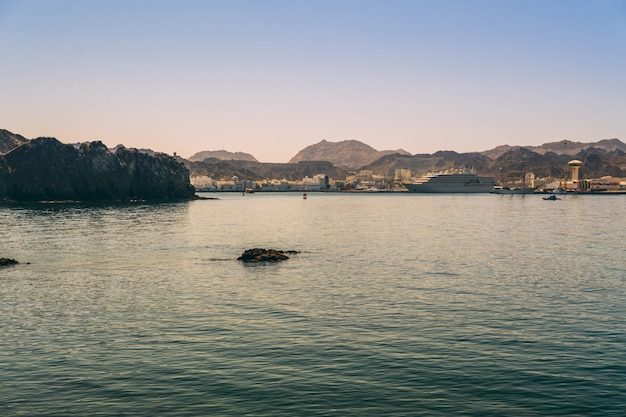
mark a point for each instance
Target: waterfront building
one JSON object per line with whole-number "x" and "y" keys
{"x": 364, "y": 175}
{"x": 310, "y": 184}
{"x": 606, "y": 183}
{"x": 402, "y": 175}
{"x": 319, "y": 182}
{"x": 529, "y": 180}
{"x": 602, "y": 184}
{"x": 203, "y": 183}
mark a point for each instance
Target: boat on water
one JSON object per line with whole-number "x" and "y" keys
{"x": 512, "y": 190}
{"x": 452, "y": 182}
{"x": 552, "y": 197}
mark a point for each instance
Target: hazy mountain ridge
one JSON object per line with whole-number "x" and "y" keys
{"x": 257, "y": 171}
{"x": 222, "y": 155}
{"x": 561, "y": 147}
{"x": 422, "y": 163}
{"x": 9, "y": 140}
{"x": 512, "y": 164}
{"x": 348, "y": 153}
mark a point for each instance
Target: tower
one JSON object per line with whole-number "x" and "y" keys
{"x": 529, "y": 180}
{"x": 575, "y": 165}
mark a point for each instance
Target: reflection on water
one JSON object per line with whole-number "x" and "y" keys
{"x": 396, "y": 305}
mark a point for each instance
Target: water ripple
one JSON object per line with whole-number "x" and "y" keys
{"x": 397, "y": 307}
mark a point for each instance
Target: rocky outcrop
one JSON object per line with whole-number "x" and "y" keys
{"x": 265, "y": 255}
{"x": 46, "y": 169}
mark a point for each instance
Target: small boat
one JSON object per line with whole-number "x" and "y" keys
{"x": 498, "y": 189}
{"x": 551, "y": 198}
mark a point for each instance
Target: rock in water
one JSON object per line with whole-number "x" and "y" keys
{"x": 264, "y": 255}
{"x": 7, "y": 262}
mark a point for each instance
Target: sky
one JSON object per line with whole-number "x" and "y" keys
{"x": 270, "y": 77}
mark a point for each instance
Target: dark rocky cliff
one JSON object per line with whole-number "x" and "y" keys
{"x": 46, "y": 169}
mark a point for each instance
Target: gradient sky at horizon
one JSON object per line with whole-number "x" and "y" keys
{"x": 272, "y": 77}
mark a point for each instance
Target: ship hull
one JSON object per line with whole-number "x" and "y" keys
{"x": 514, "y": 191}
{"x": 452, "y": 183}
{"x": 449, "y": 188}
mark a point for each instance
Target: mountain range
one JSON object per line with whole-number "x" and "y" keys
{"x": 507, "y": 163}
{"x": 338, "y": 159}
{"x": 566, "y": 147}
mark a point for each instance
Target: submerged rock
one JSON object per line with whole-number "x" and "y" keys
{"x": 7, "y": 262}
{"x": 265, "y": 255}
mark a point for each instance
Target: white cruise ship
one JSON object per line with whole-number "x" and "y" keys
{"x": 452, "y": 182}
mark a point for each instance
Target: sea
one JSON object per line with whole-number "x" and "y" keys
{"x": 396, "y": 305}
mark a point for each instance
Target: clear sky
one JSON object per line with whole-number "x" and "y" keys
{"x": 270, "y": 77}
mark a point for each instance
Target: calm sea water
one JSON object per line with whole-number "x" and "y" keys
{"x": 397, "y": 305}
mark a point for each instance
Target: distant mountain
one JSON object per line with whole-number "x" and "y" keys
{"x": 568, "y": 147}
{"x": 511, "y": 166}
{"x": 563, "y": 147}
{"x": 421, "y": 163}
{"x": 10, "y": 140}
{"x": 223, "y": 155}
{"x": 348, "y": 153}
{"x": 499, "y": 151}
{"x": 256, "y": 171}
{"x": 514, "y": 164}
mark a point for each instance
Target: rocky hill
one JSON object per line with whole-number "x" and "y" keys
{"x": 10, "y": 140}
{"x": 46, "y": 169}
{"x": 222, "y": 155}
{"x": 350, "y": 154}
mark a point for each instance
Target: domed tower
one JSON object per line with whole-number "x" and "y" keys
{"x": 575, "y": 165}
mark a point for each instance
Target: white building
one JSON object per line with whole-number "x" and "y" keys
{"x": 203, "y": 183}
{"x": 319, "y": 182}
